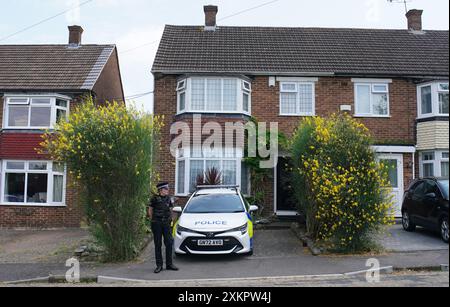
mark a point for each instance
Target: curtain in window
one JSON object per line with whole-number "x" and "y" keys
{"x": 305, "y": 98}
{"x": 443, "y": 103}
{"x": 229, "y": 172}
{"x": 214, "y": 95}
{"x": 288, "y": 103}
{"x": 426, "y": 100}
{"x": 198, "y": 94}
{"x": 196, "y": 169}
{"x": 229, "y": 96}
{"x": 58, "y": 184}
{"x": 363, "y": 99}
{"x": 180, "y": 176}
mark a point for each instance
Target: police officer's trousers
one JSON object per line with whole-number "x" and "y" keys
{"x": 162, "y": 230}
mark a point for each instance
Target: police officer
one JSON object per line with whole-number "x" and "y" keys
{"x": 160, "y": 213}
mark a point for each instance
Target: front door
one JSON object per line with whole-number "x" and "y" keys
{"x": 285, "y": 201}
{"x": 394, "y": 162}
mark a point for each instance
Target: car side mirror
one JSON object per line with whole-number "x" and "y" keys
{"x": 431, "y": 195}
{"x": 253, "y": 208}
{"x": 177, "y": 210}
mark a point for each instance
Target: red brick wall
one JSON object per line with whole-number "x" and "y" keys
{"x": 331, "y": 93}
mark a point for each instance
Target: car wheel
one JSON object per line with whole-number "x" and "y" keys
{"x": 406, "y": 222}
{"x": 250, "y": 253}
{"x": 444, "y": 230}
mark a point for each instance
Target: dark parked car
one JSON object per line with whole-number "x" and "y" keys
{"x": 426, "y": 204}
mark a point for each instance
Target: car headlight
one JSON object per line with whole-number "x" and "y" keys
{"x": 243, "y": 229}
{"x": 181, "y": 229}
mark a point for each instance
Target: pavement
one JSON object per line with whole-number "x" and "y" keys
{"x": 278, "y": 253}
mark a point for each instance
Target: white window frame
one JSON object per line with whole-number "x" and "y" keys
{"x": 50, "y": 173}
{"x": 297, "y": 86}
{"x": 438, "y": 159}
{"x": 186, "y": 156}
{"x": 242, "y": 87}
{"x": 372, "y": 84}
{"x": 435, "y": 91}
{"x": 29, "y": 103}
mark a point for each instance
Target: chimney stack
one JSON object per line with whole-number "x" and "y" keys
{"x": 210, "y": 17}
{"x": 75, "y": 34}
{"x": 414, "y": 20}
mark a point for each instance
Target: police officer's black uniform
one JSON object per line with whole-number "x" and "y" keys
{"x": 161, "y": 228}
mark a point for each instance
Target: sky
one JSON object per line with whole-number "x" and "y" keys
{"x": 136, "y": 26}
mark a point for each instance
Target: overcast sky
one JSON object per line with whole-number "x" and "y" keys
{"x": 134, "y": 23}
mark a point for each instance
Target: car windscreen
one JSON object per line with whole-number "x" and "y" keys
{"x": 444, "y": 188}
{"x": 215, "y": 203}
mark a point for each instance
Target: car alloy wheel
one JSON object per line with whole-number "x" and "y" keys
{"x": 444, "y": 230}
{"x": 405, "y": 220}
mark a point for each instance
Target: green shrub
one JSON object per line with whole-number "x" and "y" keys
{"x": 110, "y": 150}
{"x": 340, "y": 187}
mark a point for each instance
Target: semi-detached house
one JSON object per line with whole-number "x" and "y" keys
{"x": 393, "y": 81}
{"x": 39, "y": 86}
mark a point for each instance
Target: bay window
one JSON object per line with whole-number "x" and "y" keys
{"x": 372, "y": 99}
{"x": 192, "y": 164}
{"x": 297, "y": 98}
{"x": 433, "y": 99}
{"x": 214, "y": 95}
{"x": 35, "y": 183}
{"x": 35, "y": 112}
{"x": 434, "y": 163}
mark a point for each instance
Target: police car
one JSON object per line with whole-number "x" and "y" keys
{"x": 215, "y": 220}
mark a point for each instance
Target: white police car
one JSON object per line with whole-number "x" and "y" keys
{"x": 215, "y": 220}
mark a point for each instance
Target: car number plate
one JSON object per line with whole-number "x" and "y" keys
{"x": 210, "y": 242}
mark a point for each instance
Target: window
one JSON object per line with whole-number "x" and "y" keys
{"x": 428, "y": 164}
{"x": 434, "y": 164}
{"x": 214, "y": 95}
{"x": 246, "y": 96}
{"x": 33, "y": 183}
{"x": 217, "y": 203}
{"x": 297, "y": 98}
{"x": 371, "y": 99}
{"x": 194, "y": 165}
{"x": 36, "y": 112}
{"x": 433, "y": 100}
{"x": 444, "y": 165}
{"x": 443, "y": 98}
{"x": 181, "y": 89}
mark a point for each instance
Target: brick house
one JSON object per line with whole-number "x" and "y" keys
{"x": 39, "y": 85}
{"x": 393, "y": 81}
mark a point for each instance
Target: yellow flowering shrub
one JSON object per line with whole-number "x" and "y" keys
{"x": 341, "y": 187}
{"x": 110, "y": 150}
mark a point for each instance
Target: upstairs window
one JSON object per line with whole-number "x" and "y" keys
{"x": 372, "y": 99}
{"x": 214, "y": 95}
{"x": 297, "y": 98}
{"x": 433, "y": 99}
{"x": 35, "y": 112}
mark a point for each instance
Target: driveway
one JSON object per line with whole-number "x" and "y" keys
{"x": 277, "y": 253}
{"x": 399, "y": 240}
{"x": 39, "y": 246}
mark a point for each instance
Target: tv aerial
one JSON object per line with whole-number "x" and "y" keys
{"x": 405, "y": 2}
